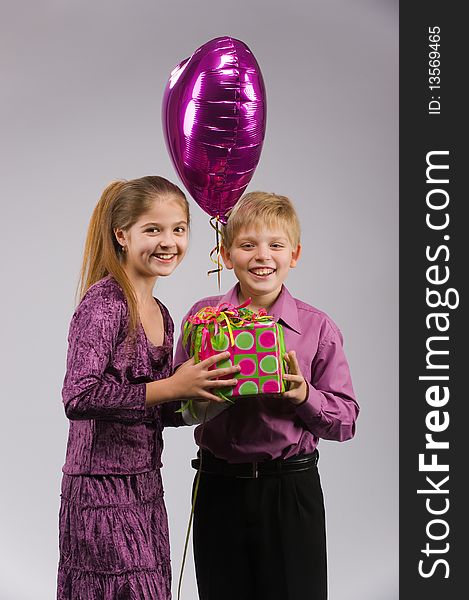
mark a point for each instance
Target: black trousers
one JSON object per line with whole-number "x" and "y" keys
{"x": 260, "y": 539}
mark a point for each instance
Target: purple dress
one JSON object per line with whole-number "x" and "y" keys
{"x": 113, "y": 528}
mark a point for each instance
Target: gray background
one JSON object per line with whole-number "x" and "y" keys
{"x": 82, "y": 83}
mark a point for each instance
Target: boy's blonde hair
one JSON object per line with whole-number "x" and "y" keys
{"x": 262, "y": 209}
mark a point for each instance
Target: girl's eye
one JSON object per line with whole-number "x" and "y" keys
{"x": 180, "y": 229}
{"x": 152, "y": 230}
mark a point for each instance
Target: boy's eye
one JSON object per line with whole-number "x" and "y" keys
{"x": 247, "y": 245}
{"x": 277, "y": 245}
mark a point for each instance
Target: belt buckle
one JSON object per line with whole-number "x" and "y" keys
{"x": 254, "y": 472}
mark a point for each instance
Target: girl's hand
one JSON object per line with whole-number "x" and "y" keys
{"x": 298, "y": 391}
{"x": 192, "y": 380}
{"x": 195, "y": 380}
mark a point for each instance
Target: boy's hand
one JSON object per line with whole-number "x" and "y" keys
{"x": 298, "y": 391}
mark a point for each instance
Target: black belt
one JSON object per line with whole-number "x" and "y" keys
{"x": 252, "y": 470}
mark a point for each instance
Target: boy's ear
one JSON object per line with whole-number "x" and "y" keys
{"x": 226, "y": 255}
{"x": 295, "y": 256}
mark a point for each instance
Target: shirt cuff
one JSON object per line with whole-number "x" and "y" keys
{"x": 214, "y": 409}
{"x": 311, "y": 407}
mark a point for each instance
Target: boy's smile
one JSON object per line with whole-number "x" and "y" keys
{"x": 261, "y": 260}
{"x": 262, "y": 272}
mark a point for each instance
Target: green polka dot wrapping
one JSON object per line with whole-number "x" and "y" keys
{"x": 258, "y": 349}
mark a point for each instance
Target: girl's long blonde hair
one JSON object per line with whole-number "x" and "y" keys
{"x": 119, "y": 207}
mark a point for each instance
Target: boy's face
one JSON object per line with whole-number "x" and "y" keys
{"x": 261, "y": 259}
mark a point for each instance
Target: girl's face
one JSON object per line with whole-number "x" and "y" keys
{"x": 157, "y": 242}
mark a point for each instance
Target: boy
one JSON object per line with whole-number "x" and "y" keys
{"x": 259, "y": 528}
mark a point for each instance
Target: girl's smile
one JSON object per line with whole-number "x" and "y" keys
{"x": 157, "y": 242}
{"x": 164, "y": 257}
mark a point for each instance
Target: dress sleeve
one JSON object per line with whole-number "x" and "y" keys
{"x": 330, "y": 410}
{"x": 169, "y": 415}
{"x": 93, "y": 387}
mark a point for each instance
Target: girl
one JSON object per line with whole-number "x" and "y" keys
{"x": 119, "y": 393}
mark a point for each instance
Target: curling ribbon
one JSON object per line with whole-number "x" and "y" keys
{"x": 219, "y": 268}
{"x": 231, "y": 315}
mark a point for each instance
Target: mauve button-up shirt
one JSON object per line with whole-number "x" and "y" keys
{"x": 272, "y": 427}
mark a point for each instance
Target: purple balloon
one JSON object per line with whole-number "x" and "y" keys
{"x": 214, "y": 118}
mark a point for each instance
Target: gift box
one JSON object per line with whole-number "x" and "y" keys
{"x": 254, "y": 340}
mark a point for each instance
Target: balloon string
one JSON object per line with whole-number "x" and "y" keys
{"x": 191, "y": 516}
{"x": 219, "y": 268}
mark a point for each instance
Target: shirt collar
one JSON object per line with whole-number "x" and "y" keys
{"x": 284, "y": 308}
